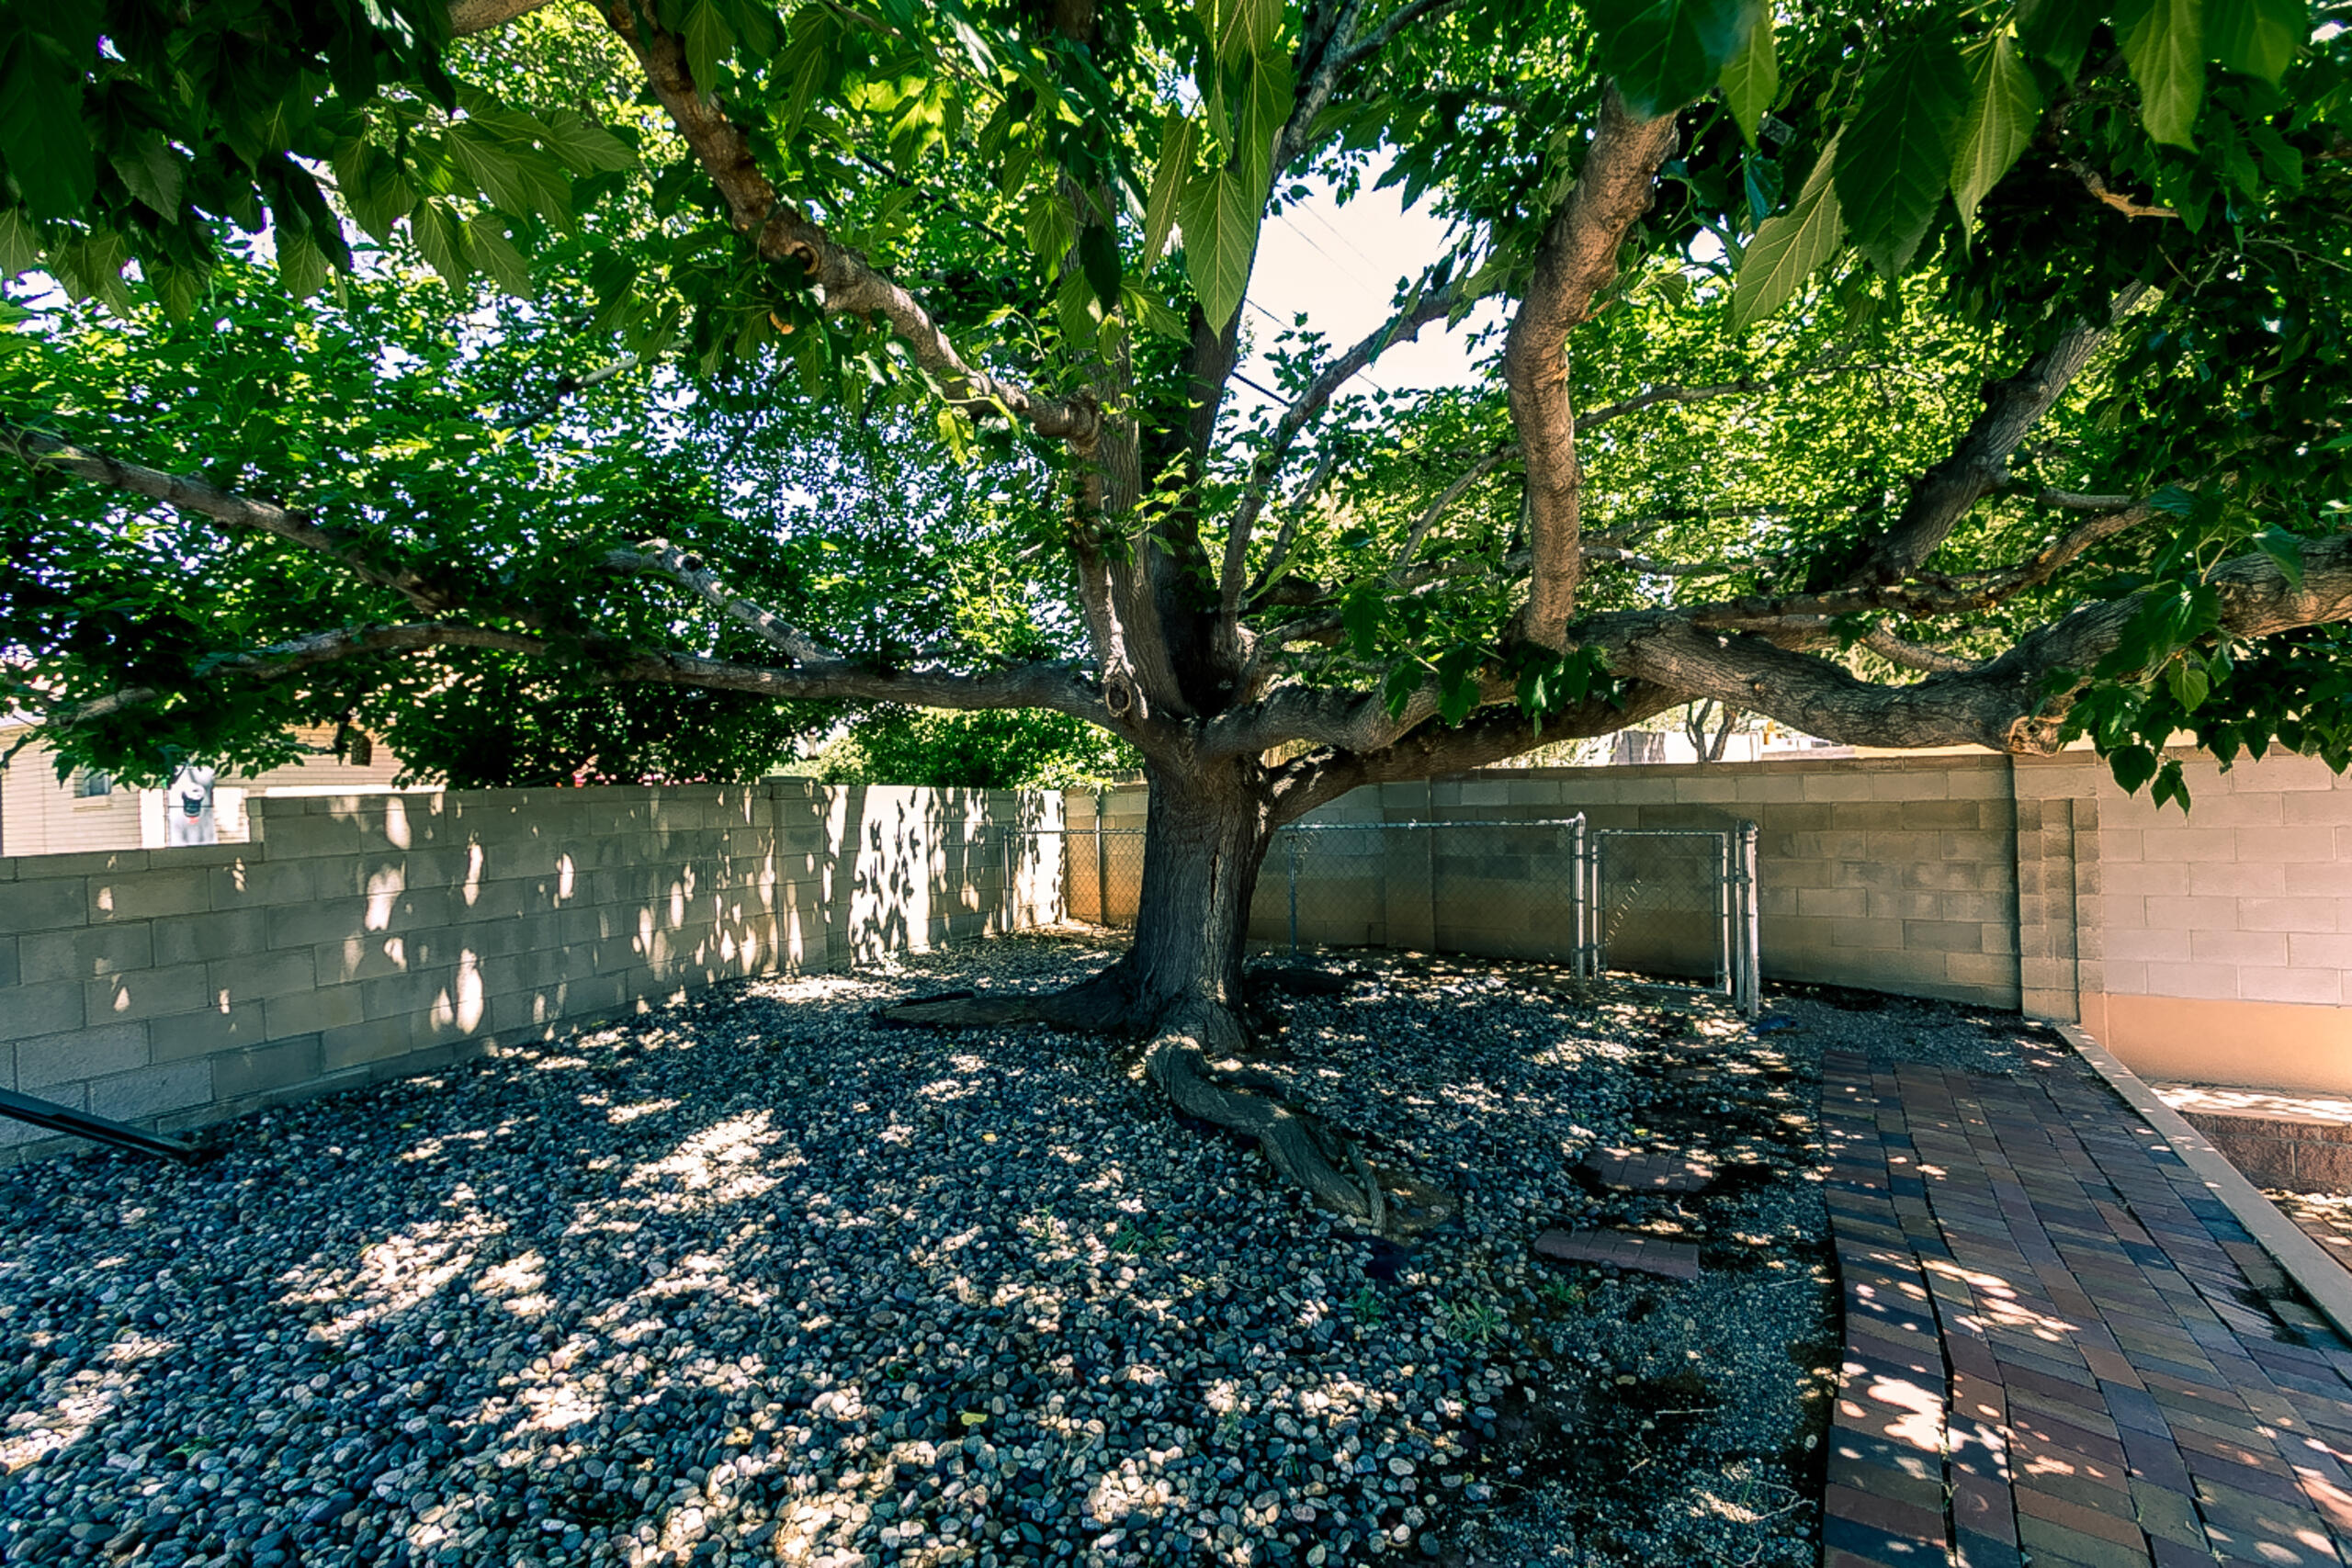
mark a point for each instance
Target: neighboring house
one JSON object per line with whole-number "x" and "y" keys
{"x": 41, "y": 816}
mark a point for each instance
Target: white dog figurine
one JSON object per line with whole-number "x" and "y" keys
{"x": 187, "y": 807}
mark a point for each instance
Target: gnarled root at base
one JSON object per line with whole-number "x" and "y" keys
{"x": 1299, "y": 1145}
{"x": 1184, "y": 1043}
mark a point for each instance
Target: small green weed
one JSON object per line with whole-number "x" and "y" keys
{"x": 1562, "y": 1294}
{"x": 1131, "y": 1240}
{"x": 1473, "y": 1323}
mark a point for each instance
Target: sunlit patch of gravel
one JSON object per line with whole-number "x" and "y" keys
{"x": 752, "y": 1280}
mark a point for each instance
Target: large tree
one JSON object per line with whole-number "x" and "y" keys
{"x": 1911, "y": 374}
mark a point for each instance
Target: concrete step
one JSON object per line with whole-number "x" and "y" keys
{"x": 2301, "y": 1143}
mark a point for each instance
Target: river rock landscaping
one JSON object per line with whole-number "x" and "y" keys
{"x": 753, "y": 1280}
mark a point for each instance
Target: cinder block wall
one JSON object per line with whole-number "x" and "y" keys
{"x": 2228, "y": 932}
{"x": 2214, "y": 947}
{"x": 364, "y": 937}
{"x": 1896, "y": 874}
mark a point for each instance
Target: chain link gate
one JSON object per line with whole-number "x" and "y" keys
{"x": 1672, "y": 901}
{"x": 1645, "y": 906}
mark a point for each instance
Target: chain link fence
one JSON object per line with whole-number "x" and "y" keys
{"x": 1640, "y": 905}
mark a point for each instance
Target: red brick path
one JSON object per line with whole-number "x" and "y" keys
{"x": 2054, "y": 1348}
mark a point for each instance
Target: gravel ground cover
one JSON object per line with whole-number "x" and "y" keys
{"x": 752, "y": 1280}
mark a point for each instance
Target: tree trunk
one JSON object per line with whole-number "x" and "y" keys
{"x": 1181, "y": 987}
{"x": 1205, "y": 838}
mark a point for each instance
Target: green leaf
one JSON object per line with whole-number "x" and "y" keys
{"x": 1221, "y": 215}
{"x": 1457, "y": 693}
{"x": 1098, "y": 254}
{"x": 1664, "y": 54}
{"x": 2284, "y": 548}
{"x": 442, "y": 240}
{"x": 299, "y": 263}
{"x": 1075, "y": 307}
{"x": 2163, "y": 43}
{"x": 2058, "y": 32}
{"x": 1788, "y": 249}
{"x": 2005, "y": 107}
{"x": 1177, "y": 137}
{"x": 1763, "y": 181}
{"x": 19, "y": 246}
{"x": 41, "y": 138}
{"x": 90, "y": 266}
{"x": 2258, "y": 38}
{"x": 808, "y": 61}
{"x": 956, "y": 431}
{"x": 2170, "y": 785}
{"x": 2132, "y": 766}
{"x": 1362, "y": 612}
{"x": 1264, "y": 107}
{"x": 177, "y": 289}
{"x": 1051, "y": 227}
{"x": 709, "y": 38}
{"x": 1751, "y": 78}
{"x": 491, "y": 167}
{"x": 372, "y": 188}
{"x": 497, "y": 254}
{"x": 1895, "y": 170}
{"x": 2188, "y": 683}
{"x": 586, "y": 147}
{"x": 152, "y": 175}
{"x": 1147, "y": 309}
{"x": 1240, "y": 29}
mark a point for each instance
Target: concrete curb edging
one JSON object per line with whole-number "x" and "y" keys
{"x": 2317, "y": 1275}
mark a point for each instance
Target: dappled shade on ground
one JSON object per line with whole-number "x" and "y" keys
{"x": 751, "y": 1280}
{"x": 2059, "y": 1346}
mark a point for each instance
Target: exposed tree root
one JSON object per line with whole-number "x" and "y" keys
{"x": 1185, "y": 1041}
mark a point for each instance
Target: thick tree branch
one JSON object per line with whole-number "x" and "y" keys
{"x": 364, "y": 559}
{"x": 1914, "y": 655}
{"x": 1061, "y": 687}
{"x": 846, "y": 284}
{"x": 2074, "y": 501}
{"x": 1576, "y": 259}
{"x": 481, "y": 16}
{"x": 1924, "y": 596}
{"x": 282, "y": 660}
{"x": 1328, "y": 26}
{"x": 1327, "y": 773}
{"x": 693, "y": 574}
{"x": 1979, "y": 465}
{"x": 2001, "y": 704}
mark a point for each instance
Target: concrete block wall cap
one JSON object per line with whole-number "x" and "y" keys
{"x": 2319, "y": 1277}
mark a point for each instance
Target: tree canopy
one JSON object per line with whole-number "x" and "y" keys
{"x": 1998, "y": 343}
{"x": 1912, "y": 373}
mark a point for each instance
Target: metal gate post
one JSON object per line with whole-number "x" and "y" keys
{"x": 1751, "y": 946}
{"x": 1102, "y": 861}
{"x": 1291, "y": 857}
{"x": 1726, "y": 977}
{"x": 1596, "y": 868}
{"x": 1578, "y": 921}
{"x": 1012, "y": 898}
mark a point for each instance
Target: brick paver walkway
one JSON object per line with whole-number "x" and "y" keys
{"x": 2057, "y": 1345}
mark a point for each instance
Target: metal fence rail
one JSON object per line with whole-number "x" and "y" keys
{"x": 1645, "y": 905}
